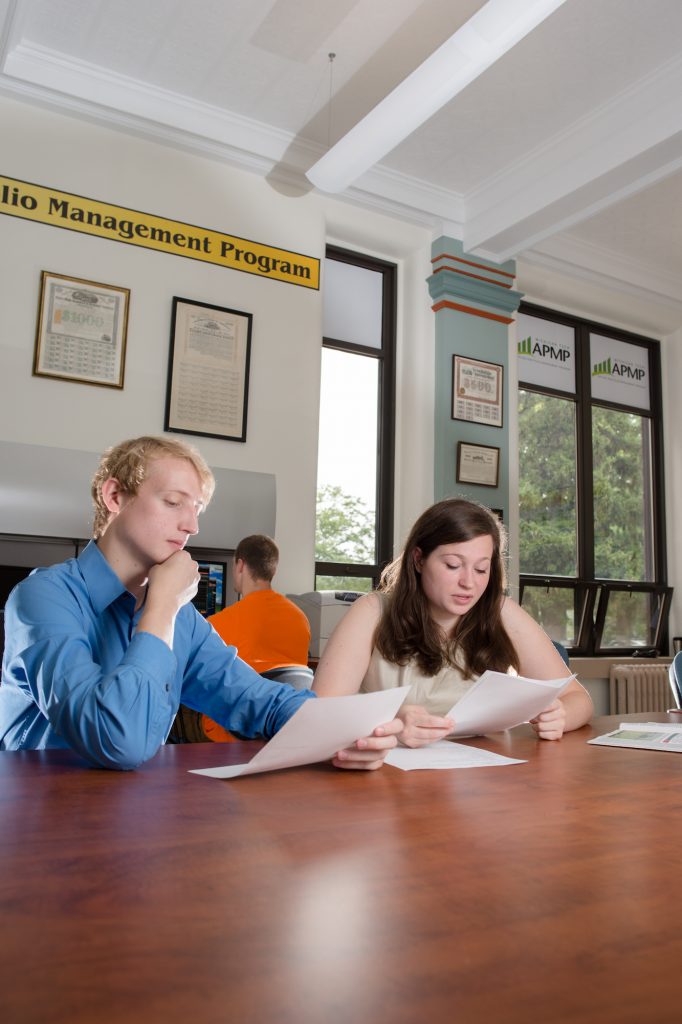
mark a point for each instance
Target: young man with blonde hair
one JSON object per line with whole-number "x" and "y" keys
{"x": 101, "y": 649}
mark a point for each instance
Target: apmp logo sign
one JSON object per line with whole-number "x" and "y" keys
{"x": 620, "y": 371}
{"x": 618, "y": 368}
{"x": 546, "y": 353}
{"x": 540, "y": 348}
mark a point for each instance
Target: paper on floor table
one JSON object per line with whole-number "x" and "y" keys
{"x": 318, "y": 729}
{"x": 444, "y": 754}
{"x": 500, "y": 701}
{"x": 645, "y": 735}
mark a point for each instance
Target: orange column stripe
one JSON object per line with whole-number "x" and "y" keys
{"x": 447, "y": 304}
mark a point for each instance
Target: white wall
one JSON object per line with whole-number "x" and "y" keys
{"x": 64, "y": 153}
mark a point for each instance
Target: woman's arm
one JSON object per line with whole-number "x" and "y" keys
{"x": 347, "y": 653}
{"x": 344, "y": 665}
{"x": 342, "y": 668}
{"x": 539, "y": 659}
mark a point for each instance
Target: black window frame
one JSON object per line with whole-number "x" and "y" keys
{"x": 386, "y": 358}
{"x": 591, "y": 593}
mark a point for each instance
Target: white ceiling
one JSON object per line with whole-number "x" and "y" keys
{"x": 567, "y": 152}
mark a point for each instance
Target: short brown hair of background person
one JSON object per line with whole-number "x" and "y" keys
{"x": 261, "y": 555}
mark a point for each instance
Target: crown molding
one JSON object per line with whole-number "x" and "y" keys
{"x": 617, "y": 149}
{"x": 82, "y": 87}
{"x": 622, "y": 271}
{"x": 409, "y": 198}
{"x": 605, "y": 285}
{"x": 86, "y": 91}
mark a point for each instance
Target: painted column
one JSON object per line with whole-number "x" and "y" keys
{"x": 474, "y": 302}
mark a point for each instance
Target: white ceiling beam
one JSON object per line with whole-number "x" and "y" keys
{"x": 493, "y": 30}
{"x": 620, "y": 148}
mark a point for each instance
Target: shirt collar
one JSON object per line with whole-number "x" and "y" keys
{"x": 103, "y": 584}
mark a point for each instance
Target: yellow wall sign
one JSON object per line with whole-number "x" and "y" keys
{"x": 91, "y": 217}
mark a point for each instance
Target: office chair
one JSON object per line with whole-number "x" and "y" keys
{"x": 187, "y": 726}
{"x": 675, "y": 675}
{"x": 562, "y": 650}
{"x": 298, "y": 676}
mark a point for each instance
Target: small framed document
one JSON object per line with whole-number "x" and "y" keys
{"x": 82, "y": 329}
{"x": 208, "y": 370}
{"x": 477, "y": 391}
{"x": 478, "y": 464}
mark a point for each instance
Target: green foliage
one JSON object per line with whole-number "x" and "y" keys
{"x": 548, "y": 493}
{"x": 547, "y": 486}
{"x": 359, "y": 584}
{"x": 620, "y": 518}
{"x": 345, "y": 528}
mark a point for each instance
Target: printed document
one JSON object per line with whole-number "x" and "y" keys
{"x": 444, "y": 754}
{"x": 499, "y": 701}
{"x": 646, "y": 735}
{"x": 319, "y": 728}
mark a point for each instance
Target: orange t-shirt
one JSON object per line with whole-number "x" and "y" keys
{"x": 268, "y": 630}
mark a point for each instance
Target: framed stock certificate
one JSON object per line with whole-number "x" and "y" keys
{"x": 81, "y": 333}
{"x": 477, "y": 391}
{"x": 478, "y": 464}
{"x": 208, "y": 370}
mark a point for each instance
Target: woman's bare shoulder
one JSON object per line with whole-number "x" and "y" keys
{"x": 367, "y": 607}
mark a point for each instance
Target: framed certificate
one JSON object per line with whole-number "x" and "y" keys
{"x": 478, "y": 464}
{"x": 208, "y": 370}
{"x": 82, "y": 329}
{"x": 477, "y": 391}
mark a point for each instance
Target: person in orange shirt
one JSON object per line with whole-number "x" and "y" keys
{"x": 268, "y": 630}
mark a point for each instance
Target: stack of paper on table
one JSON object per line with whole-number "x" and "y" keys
{"x": 647, "y": 735}
{"x": 445, "y": 754}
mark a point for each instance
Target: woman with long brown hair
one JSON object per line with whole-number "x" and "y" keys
{"x": 441, "y": 618}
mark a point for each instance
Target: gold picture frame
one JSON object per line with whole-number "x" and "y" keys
{"x": 477, "y": 391}
{"x": 82, "y": 331}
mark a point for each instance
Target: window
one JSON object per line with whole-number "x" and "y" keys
{"x": 591, "y": 522}
{"x": 354, "y": 537}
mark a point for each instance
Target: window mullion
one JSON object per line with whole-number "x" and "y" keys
{"x": 585, "y": 466}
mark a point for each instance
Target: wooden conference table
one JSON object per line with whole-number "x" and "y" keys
{"x": 540, "y": 892}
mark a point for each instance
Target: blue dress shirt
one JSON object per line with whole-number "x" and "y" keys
{"x": 77, "y": 674}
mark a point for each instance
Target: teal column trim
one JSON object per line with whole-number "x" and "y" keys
{"x": 471, "y": 284}
{"x": 474, "y": 302}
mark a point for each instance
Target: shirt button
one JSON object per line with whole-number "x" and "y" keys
{"x": 167, "y": 687}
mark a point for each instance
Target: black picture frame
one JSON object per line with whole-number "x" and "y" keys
{"x": 478, "y": 464}
{"x": 208, "y": 370}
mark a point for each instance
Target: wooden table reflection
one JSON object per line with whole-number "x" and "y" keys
{"x": 542, "y": 892}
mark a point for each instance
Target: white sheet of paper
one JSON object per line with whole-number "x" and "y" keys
{"x": 500, "y": 701}
{"x": 318, "y": 729}
{"x": 645, "y": 735}
{"x": 444, "y": 754}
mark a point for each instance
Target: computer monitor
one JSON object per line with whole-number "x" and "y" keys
{"x": 10, "y": 575}
{"x": 210, "y": 597}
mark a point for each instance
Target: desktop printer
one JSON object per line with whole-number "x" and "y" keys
{"x": 324, "y": 609}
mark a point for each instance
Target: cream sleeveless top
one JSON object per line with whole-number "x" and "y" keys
{"x": 435, "y": 693}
